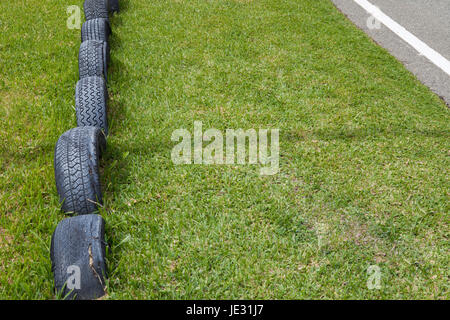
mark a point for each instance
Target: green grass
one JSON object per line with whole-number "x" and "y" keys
{"x": 363, "y": 167}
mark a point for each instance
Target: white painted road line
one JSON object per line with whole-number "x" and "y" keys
{"x": 421, "y": 47}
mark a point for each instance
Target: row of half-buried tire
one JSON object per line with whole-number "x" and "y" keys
{"x": 78, "y": 244}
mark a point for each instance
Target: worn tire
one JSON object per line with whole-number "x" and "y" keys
{"x": 113, "y": 5}
{"x": 91, "y": 98}
{"x": 76, "y": 163}
{"x": 96, "y": 29}
{"x": 77, "y": 252}
{"x": 94, "y": 9}
{"x": 93, "y": 59}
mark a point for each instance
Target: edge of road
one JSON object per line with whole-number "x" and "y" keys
{"x": 426, "y": 71}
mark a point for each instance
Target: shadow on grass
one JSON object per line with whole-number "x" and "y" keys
{"x": 368, "y": 133}
{"x": 113, "y": 162}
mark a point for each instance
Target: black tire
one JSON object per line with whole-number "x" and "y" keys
{"x": 93, "y": 59}
{"x": 95, "y": 29}
{"x": 91, "y": 107}
{"x": 77, "y": 251}
{"x": 94, "y": 9}
{"x": 76, "y": 163}
{"x": 113, "y": 5}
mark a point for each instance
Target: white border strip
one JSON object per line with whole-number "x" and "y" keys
{"x": 432, "y": 55}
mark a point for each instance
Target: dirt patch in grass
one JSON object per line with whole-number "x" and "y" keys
{"x": 5, "y": 238}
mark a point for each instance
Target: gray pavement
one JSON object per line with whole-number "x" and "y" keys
{"x": 428, "y": 20}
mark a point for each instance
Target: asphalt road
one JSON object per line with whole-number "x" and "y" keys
{"x": 428, "y": 20}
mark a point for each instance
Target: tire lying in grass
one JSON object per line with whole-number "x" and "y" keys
{"x": 76, "y": 163}
{"x": 94, "y": 9}
{"x": 95, "y": 29}
{"x": 93, "y": 59}
{"x": 113, "y": 5}
{"x": 91, "y": 98}
{"x": 77, "y": 253}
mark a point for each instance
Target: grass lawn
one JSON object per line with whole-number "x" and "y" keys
{"x": 364, "y": 153}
